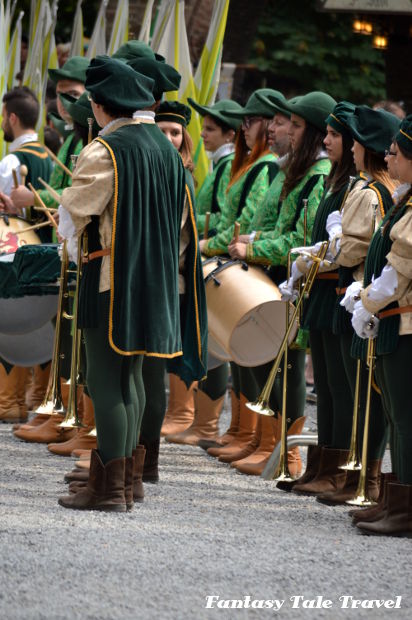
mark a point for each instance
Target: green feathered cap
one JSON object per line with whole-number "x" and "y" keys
{"x": 404, "y": 135}
{"x": 256, "y": 106}
{"x": 110, "y": 81}
{"x": 165, "y": 77}
{"x": 373, "y": 129}
{"x": 313, "y": 107}
{"x": 173, "y": 112}
{"x": 219, "y": 111}
{"x": 338, "y": 118}
{"x": 73, "y": 69}
{"x": 79, "y": 109}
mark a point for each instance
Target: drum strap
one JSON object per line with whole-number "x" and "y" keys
{"x": 252, "y": 175}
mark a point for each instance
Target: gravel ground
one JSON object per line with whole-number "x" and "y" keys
{"x": 204, "y": 530}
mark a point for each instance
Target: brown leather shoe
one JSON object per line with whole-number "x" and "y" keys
{"x": 268, "y": 437}
{"x": 329, "y": 477}
{"x": 204, "y": 425}
{"x": 248, "y": 421}
{"x": 349, "y": 489}
{"x": 181, "y": 407}
{"x": 128, "y": 482}
{"x": 138, "y": 462}
{"x": 38, "y": 419}
{"x": 81, "y": 440}
{"x": 397, "y": 518}
{"x": 78, "y": 475}
{"x": 312, "y": 467}
{"x": 48, "y": 432}
{"x": 105, "y": 490}
{"x": 151, "y": 460}
{"x": 372, "y": 513}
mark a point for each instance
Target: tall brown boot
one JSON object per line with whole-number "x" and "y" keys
{"x": 105, "y": 489}
{"x": 246, "y": 439}
{"x": 151, "y": 460}
{"x": 204, "y": 425}
{"x": 81, "y": 440}
{"x": 181, "y": 408}
{"x": 397, "y": 519}
{"x": 241, "y": 433}
{"x": 138, "y": 457}
{"x": 349, "y": 489}
{"x": 38, "y": 387}
{"x": 13, "y": 406}
{"x": 329, "y": 476}
{"x": 227, "y": 437}
{"x": 372, "y": 513}
{"x": 294, "y": 460}
{"x": 128, "y": 482}
{"x": 269, "y": 436}
{"x": 312, "y": 467}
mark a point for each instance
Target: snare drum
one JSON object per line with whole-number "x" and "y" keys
{"x": 247, "y": 319}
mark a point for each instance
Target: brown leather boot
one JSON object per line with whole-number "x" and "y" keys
{"x": 312, "y": 467}
{"x": 105, "y": 490}
{"x": 329, "y": 476}
{"x": 373, "y": 513}
{"x": 294, "y": 460}
{"x": 151, "y": 460}
{"x": 78, "y": 475}
{"x": 269, "y": 435}
{"x": 82, "y": 454}
{"x": 204, "y": 425}
{"x": 48, "y": 432}
{"x": 81, "y": 440}
{"x": 397, "y": 518}
{"x": 181, "y": 408}
{"x": 128, "y": 482}
{"x": 349, "y": 489}
{"x": 247, "y": 423}
{"x": 37, "y": 390}
{"x": 13, "y": 406}
{"x": 227, "y": 437}
{"x": 138, "y": 490}
{"x": 38, "y": 419}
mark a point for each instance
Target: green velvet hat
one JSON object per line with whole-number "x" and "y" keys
{"x": 373, "y": 129}
{"x": 219, "y": 111}
{"x": 255, "y": 106}
{"x": 276, "y": 103}
{"x": 313, "y": 107}
{"x": 112, "y": 82}
{"x": 73, "y": 69}
{"x": 79, "y": 109}
{"x": 404, "y": 135}
{"x": 136, "y": 49}
{"x": 174, "y": 112}
{"x": 338, "y": 118}
{"x": 165, "y": 77}
{"x": 60, "y": 125}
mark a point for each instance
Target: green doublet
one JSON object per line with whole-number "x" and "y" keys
{"x": 34, "y": 156}
{"x": 192, "y": 366}
{"x": 211, "y": 196}
{"x": 59, "y": 180}
{"x": 245, "y": 193}
{"x": 320, "y": 306}
{"x": 388, "y": 334}
{"x": 144, "y": 297}
{"x": 342, "y": 320}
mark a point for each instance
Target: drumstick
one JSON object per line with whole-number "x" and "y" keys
{"x": 43, "y": 207}
{"x": 15, "y": 179}
{"x": 57, "y": 160}
{"x": 34, "y": 227}
{"x": 206, "y": 230}
{"x": 50, "y": 209}
{"x": 51, "y": 191}
{"x": 236, "y": 233}
{"x": 23, "y": 174}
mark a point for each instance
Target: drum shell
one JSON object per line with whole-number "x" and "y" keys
{"x": 29, "y": 349}
{"x": 9, "y": 240}
{"x": 247, "y": 319}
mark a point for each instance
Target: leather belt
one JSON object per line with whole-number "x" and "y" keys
{"x": 94, "y": 255}
{"x": 330, "y": 275}
{"x": 341, "y": 291}
{"x": 394, "y": 311}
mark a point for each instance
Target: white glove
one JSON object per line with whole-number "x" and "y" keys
{"x": 385, "y": 285}
{"x": 309, "y": 249}
{"x": 334, "y": 224}
{"x": 363, "y": 322}
{"x": 351, "y": 296}
{"x": 287, "y": 290}
{"x": 295, "y": 272}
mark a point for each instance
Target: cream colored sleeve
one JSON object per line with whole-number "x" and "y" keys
{"x": 400, "y": 258}
{"x": 359, "y": 220}
{"x": 92, "y": 185}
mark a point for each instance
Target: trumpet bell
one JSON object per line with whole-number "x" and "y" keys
{"x": 361, "y": 500}
{"x": 351, "y": 466}
{"x": 93, "y": 433}
{"x": 284, "y": 477}
{"x": 71, "y": 422}
{"x": 260, "y": 406}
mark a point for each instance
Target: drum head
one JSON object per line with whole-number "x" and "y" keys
{"x": 26, "y": 314}
{"x": 12, "y": 236}
{"x": 213, "y": 362}
{"x": 28, "y": 349}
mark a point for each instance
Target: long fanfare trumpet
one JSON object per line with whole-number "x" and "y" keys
{"x": 362, "y": 498}
{"x": 353, "y": 463}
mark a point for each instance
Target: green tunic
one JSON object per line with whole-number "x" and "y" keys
{"x": 59, "y": 180}
{"x": 287, "y": 230}
{"x": 211, "y": 196}
{"x": 243, "y": 195}
{"x": 144, "y": 297}
{"x": 34, "y": 156}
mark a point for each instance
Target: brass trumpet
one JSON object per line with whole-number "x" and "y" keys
{"x": 353, "y": 463}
